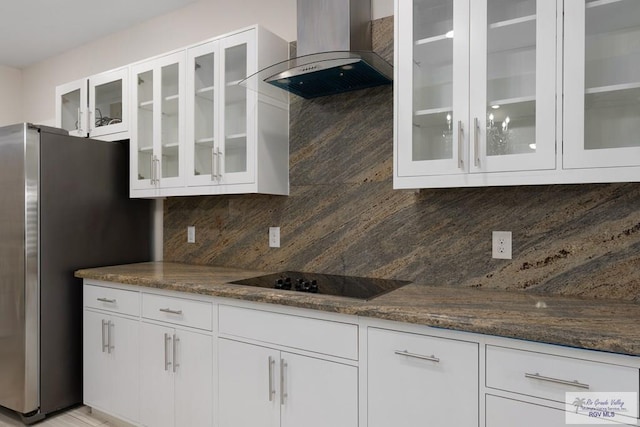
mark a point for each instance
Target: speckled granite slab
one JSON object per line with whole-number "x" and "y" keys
{"x": 585, "y": 323}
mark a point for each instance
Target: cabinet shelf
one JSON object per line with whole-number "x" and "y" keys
{"x": 437, "y": 50}
{"x": 512, "y": 34}
{"x": 148, "y": 149}
{"x": 235, "y": 136}
{"x": 512, "y": 22}
{"x": 207, "y": 142}
{"x": 146, "y": 105}
{"x": 612, "y": 88}
{"x": 206, "y": 93}
{"x": 431, "y": 111}
{"x": 511, "y": 101}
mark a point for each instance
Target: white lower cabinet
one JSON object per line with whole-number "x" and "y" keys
{"x": 416, "y": 380}
{"x": 263, "y": 387}
{"x": 259, "y": 386}
{"x": 176, "y": 377}
{"x": 110, "y": 372}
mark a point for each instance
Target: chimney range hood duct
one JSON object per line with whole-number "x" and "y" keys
{"x": 334, "y": 52}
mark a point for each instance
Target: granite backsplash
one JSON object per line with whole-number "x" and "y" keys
{"x": 343, "y": 217}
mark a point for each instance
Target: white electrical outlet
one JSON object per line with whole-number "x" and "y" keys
{"x": 501, "y": 245}
{"x": 274, "y": 237}
{"x": 191, "y": 234}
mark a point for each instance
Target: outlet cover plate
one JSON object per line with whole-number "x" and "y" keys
{"x": 501, "y": 245}
{"x": 274, "y": 237}
{"x": 191, "y": 234}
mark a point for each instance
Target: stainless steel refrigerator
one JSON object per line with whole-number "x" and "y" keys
{"x": 64, "y": 205}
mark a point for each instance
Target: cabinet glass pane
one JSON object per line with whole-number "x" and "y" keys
{"x": 70, "y": 110}
{"x": 432, "y": 80}
{"x": 108, "y": 98}
{"x": 145, "y": 125}
{"x": 170, "y": 116}
{"x": 612, "y": 74}
{"x": 204, "y": 112}
{"x": 511, "y": 77}
{"x": 235, "y": 104}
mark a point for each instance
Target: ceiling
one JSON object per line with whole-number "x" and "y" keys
{"x": 33, "y": 30}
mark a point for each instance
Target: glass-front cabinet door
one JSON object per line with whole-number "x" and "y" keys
{"x": 108, "y": 104}
{"x": 432, "y": 87}
{"x": 235, "y": 153}
{"x": 221, "y": 113}
{"x": 513, "y": 85}
{"x": 157, "y": 91}
{"x": 71, "y": 108}
{"x": 602, "y": 83}
{"x": 202, "y": 109}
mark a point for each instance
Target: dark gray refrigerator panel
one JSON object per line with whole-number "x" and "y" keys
{"x": 83, "y": 218}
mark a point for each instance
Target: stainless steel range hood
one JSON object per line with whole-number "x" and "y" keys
{"x": 334, "y": 52}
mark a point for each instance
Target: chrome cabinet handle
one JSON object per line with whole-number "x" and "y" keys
{"x": 214, "y": 172}
{"x": 219, "y": 166}
{"x": 109, "y": 345}
{"x": 110, "y": 301}
{"x": 153, "y": 170}
{"x": 79, "y": 120}
{"x": 460, "y": 142}
{"x": 574, "y": 383}
{"x": 431, "y": 358}
{"x": 176, "y": 340}
{"x": 167, "y": 340}
{"x": 476, "y": 146}
{"x": 89, "y": 127}
{"x": 168, "y": 310}
{"x": 283, "y": 392}
{"x": 104, "y": 346}
{"x": 272, "y": 392}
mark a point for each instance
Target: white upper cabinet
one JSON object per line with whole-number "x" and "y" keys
{"x": 237, "y": 139}
{"x": 476, "y": 90}
{"x": 96, "y": 107}
{"x": 602, "y": 84}
{"x": 196, "y": 131}
{"x": 157, "y": 123}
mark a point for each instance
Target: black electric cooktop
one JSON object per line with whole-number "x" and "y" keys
{"x": 363, "y": 288}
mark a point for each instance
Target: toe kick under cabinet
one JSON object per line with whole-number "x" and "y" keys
{"x": 161, "y": 358}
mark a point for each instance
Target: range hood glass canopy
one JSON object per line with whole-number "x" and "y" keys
{"x": 326, "y": 73}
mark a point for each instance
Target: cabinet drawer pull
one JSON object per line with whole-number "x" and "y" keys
{"x": 283, "y": 392}
{"x": 168, "y": 310}
{"x": 460, "y": 142}
{"x": 574, "y": 383}
{"x": 272, "y": 392}
{"x": 79, "y": 127}
{"x": 431, "y": 358}
{"x": 214, "y": 172}
{"x": 110, "y": 301}
{"x": 167, "y": 340}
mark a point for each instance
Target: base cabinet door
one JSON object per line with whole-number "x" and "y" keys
{"x": 417, "y": 380}
{"x": 318, "y": 393}
{"x": 176, "y": 381}
{"x": 247, "y": 385}
{"x": 262, "y": 387}
{"x": 110, "y": 373}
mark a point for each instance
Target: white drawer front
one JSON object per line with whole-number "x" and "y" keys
{"x": 549, "y": 376}
{"x": 110, "y": 299}
{"x": 179, "y": 311}
{"x": 320, "y": 336}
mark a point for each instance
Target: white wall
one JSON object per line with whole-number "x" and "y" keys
{"x": 10, "y": 96}
{"x": 199, "y": 21}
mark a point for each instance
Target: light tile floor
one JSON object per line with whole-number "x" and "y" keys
{"x": 77, "y": 417}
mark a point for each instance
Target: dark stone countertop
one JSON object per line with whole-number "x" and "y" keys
{"x": 594, "y": 324}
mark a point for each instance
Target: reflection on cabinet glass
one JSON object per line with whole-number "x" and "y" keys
{"x": 170, "y": 121}
{"x": 433, "y": 80}
{"x": 204, "y": 113}
{"x": 511, "y": 77}
{"x": 612, "y": 74}
{"x": 108, "y": 104}
{"x": 145, "y": 125}
{"x": 235, "y": 103}
{"x": 70, "y": 110}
